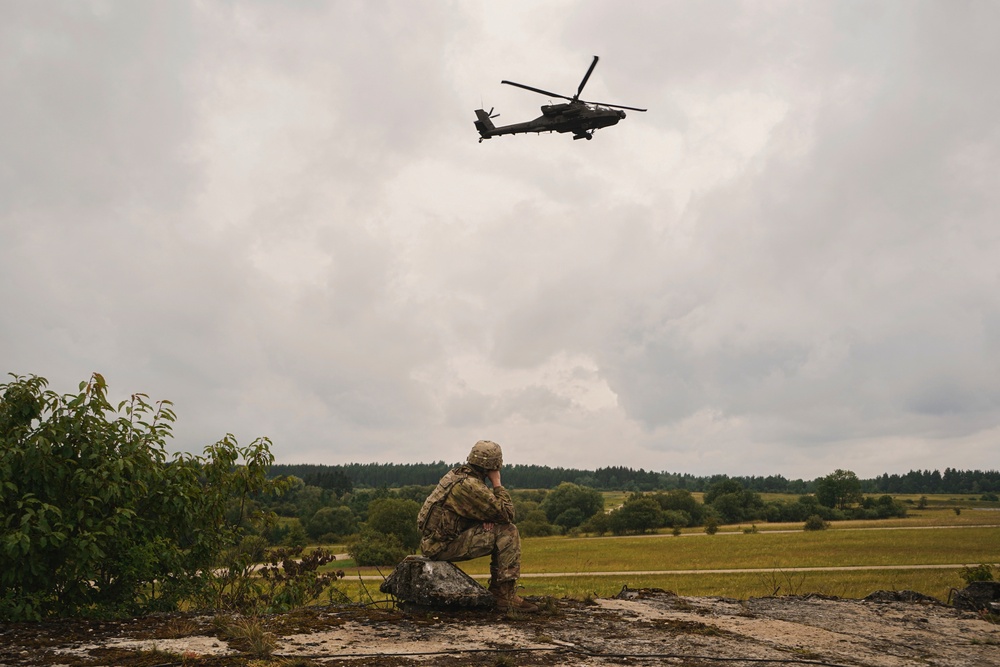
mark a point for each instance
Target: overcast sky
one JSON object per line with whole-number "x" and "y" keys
{"x": 279, "y": 216}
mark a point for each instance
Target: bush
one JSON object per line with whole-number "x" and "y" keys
{"x": 981, "y": 572}
{"x": 567, "y": 497}
{"x": 815, "y": 522}
{"x": 396, "y": 516}
{"x": 638, "y": 514}
{"x": 336, "y": 522}
{"x": 536, "y": 528}
{"x": 599, "y": 523}
{"x": 571, "y": 518}
{"x": 371, "y": 547}
{"x": 534, "y": 524}
{"x": 681, "y": 500}
{"x": 295, "y": 536}
{"x": 97, "y": 521}
{"x": 711, "y": 525}
{"x": 676, "y": 518}
{"x": 292, "y": 578}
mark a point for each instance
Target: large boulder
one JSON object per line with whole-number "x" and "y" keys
{"x": 432, "y": 583}
{"x": 979, "y": 596}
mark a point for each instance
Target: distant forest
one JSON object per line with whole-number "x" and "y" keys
{"x": 342, "y": 478}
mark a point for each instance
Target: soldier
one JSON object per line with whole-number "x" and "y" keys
{"x": 463, "y": 519}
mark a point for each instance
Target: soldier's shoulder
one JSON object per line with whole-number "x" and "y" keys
{"x": 470, "y": 485}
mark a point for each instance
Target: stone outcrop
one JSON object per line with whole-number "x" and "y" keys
{"x": 430, "y": 583}
{"x": 979, "y": 596}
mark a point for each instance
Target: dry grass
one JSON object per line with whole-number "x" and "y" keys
{"x": 933, "y": 536}
{"x": 853, "y": 584}
{"x": 829, "y": 548}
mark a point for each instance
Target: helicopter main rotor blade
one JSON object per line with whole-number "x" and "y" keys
{"x": 538, "y": 90}
{"x": 585, "y": 77}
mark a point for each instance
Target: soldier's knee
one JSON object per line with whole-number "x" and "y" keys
{"x": 509, "y": 532}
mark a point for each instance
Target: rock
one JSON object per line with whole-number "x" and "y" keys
{"x": 432, "y": 583}
{"x": 979, "y": 596}
{"x": 627, "y": 593}
{"x": 901, "y": 596}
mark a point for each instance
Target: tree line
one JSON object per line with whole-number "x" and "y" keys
{"x": 345, "y": 477}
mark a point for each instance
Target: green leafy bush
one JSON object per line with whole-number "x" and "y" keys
{"x": 815, "y": 522}
{"x": 638, "y": 514}
{"x": 97, "y": 521}
{"x": 568, "y": 505}
{"x": 600, "y": 523}
{"x": 291, "y": 578}
{"x": 371, "y": 547}
{"x": 398, "y": 517}
{"x": 981, "y": 572}
{"x": 331, "y": 523}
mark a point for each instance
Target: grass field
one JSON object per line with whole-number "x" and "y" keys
{"x": 761, "y": 563}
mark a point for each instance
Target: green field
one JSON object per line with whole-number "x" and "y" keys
{"x": 761, "y": 563}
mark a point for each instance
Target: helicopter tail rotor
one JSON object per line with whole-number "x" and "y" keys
{"x": 484, "y": 124}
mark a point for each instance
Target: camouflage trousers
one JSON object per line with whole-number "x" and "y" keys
{"x": 502, "y": 544}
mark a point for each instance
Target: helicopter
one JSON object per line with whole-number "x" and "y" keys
{"x": 577, "y": 116}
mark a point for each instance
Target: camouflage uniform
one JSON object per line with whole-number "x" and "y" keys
{"x": 451, "y": 523}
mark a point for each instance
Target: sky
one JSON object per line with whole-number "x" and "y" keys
{"x": 279, "y": 217}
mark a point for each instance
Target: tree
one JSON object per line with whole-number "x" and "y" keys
{"x": 732, "y": 503}
{"x": 96, "y": 520}
{"x": 839, "y": 489}
{"x": 567, "y": 496}
{"x": 571, "y": 518}
{"x": 599, "y": 523}
{"x": 398, "y": 517}
{"x": 371, "y": 547}
{"x": 721, "y": 487}
{"x": 534, "y": 523}
{"x": 681, "y": 500}
{"x": 638, "y": 514}
{"x": 335, "y": 522}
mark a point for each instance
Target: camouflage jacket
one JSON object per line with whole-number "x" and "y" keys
{"x": 460, "y": 501}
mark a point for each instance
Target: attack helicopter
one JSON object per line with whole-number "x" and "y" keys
{"x": 577, "y": 116}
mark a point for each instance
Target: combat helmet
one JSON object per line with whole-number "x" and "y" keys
{"x": 486, "y": 454}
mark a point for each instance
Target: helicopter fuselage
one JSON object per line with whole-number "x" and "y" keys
{"x": 580, "y": 119}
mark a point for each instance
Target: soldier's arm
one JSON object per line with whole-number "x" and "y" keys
{"x": 473, "y": 500}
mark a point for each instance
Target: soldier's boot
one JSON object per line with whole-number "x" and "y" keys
{"x": 507, "y": 598}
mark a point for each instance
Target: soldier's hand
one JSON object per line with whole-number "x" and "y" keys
{"x": 494, "y": 477}
{"x": 487, "y": 526}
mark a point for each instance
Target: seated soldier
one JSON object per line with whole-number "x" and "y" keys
{"x": 464, "y": 519}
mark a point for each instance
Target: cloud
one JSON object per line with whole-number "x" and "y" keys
{"x": 280, "y": 218}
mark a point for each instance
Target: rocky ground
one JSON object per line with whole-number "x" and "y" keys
{"x": 637, "y": 627}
